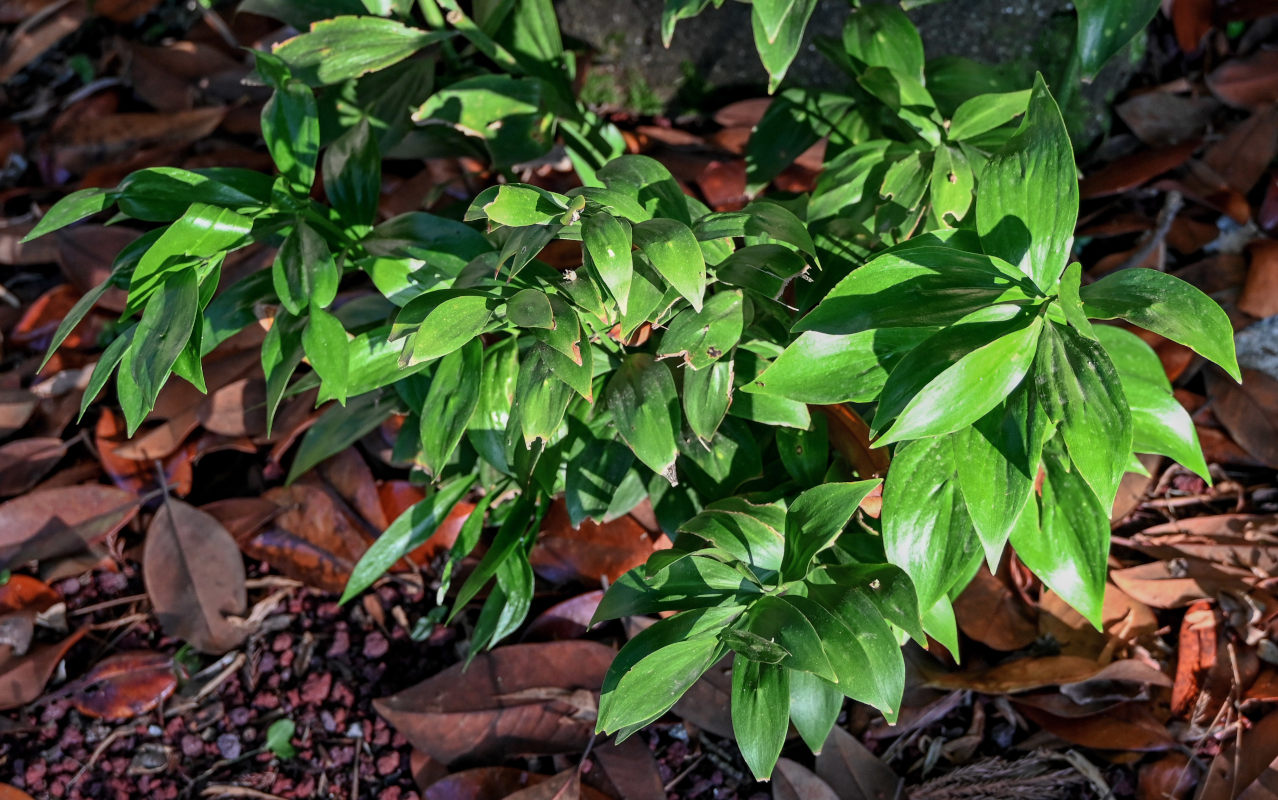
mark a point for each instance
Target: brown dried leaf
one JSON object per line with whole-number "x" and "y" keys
{"x": 991, "y": 613}
{"x": 521, "y": 699}
{"x": 1247, "y": 82}
{"x": 1171, "y": 777}
{"x": 1236, "y": 769}
{"x": 242, "y": 516}
{"x": 237, "y": 409}
{"x": 1260, "y": 293}
{"x": 1020, "y": 675}
{"x": 139, "y": 475}
{"x": 706, "y": 703}
{"x": 591, "y": 552}
{"x": 743, "y": 113}
{"x": 194, "y": 575}
{"x": 311, "y": 540}
{"x": 25, "y": 593}
{"x": 85, "y": 254}
{"x": 8, "y": 792}
{"x": 853, "y": 772}
{"x": 1128, "y": 173}
{"x": 56, "y": 522}
{"x": 851, "y": 437}
{"x": 347, "y": 473}
{"x": 631, "y": 769}
{"x": 25, "y": 461}
{"x": 78, "y": 148}
{"x": 1160, "y": 118}
{"x": 22, "y": 679}
{"x": 1130, "y": 726}
{"x": 1192, "y": 21}
{"x": 483, "y": 783}
{"x": 27, "y": 42}
{"x": 125, "y": 685}
{"x": 793, "y": 781}
{"x": 565, "y": 620}
{"x": 564, "y": 786}
{"x": 1179, "y": 582}
{"x": 1242, "y": 157}
{"x": 1123, "y": 618}
{"x": 36, "y": 327}
{"x": 1249, "y": 411}
{"x": 16, "y": 407}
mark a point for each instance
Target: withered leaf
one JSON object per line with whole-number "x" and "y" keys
{"x": 22, "y": 679}
{"x": 853, "y": 771}
{"x": 55, "y": 522}
{"x": 793, "y": 781}
{"x": 25, "y": 461}
{"x": 589, "y": 552}
{"x": 631, "y": 769}
{"x": 125, "y": 685}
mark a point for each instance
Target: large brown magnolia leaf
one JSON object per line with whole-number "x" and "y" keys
{"x": 853, "y": 771}
{"x": 195, "y": 577}
{"x": 1020, "y": 675}
{"x": 591, "y": 551}
{"x": 1130, "y": 726}
{"x": 22, "y": 679}
{"x": 1250, "y": 82}
{"x": 49, "y": 523}
{"x": 125, "y": 685}
{"x": 1236, "y": 769}
{"x": 1249, "y": 411}
{"x": 80, "y": 147}
{"x": 529, "y": 699}
{"x": 16, "y": 407}
{"x": 25, "y": 461}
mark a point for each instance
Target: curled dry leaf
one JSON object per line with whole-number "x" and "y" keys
{"x": 852, "y": 771}
{"x": 194, "y": 576}
{"x": 1204, "y": 670}
{"x": 531, "y": 699}
{"x": 1130, "y": 726}
{"x": 310, "y": 540}
{"x": 125, "y": 685}
{"x": 565, "y": 620}
{"x": 1238, "y": 767}
{"x": 22, "y": 679}
{"x": 48, "y": 523}
{"x": 139, "y": 475}
{"x": 590, "y": 552}
{"x": 990, "y": 612}
{"x": 631, "y": 769}
{"x": 25, "y": 593}
{"x": 25, "y": 461}
{"x": 1247, "y": 82}
{"x": 793, "y": 781}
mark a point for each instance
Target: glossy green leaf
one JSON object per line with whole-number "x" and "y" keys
{"x": 1028, "y": 201}
{"x": 985, "y": 112}
{"x": 827, "y": 368}
{"x": 338, "y": 428}
{"x": 443, "y": 243}
{"x": 510, "y": 540}
{"x": 690, "y": 582}
{"x": 541, "y": 400}
{"x": 957, "y": 376}
{"x": 908, "y": 98}
{"x": 76, "y": 206}
{"x": 926, "y": 528}
{"x": 647, "y": 181}
{"x": 1105, "y": 26}
{"x": 519, "y": 205}
{"x": 814, "y": 521}
{"x": 161, "y": 334}
{"x": 673, "y": 251}
{"x": 1167, "y": 306}
{"x": 762, "y": 268}
{"x": 760, "y": 712}
{"x": 162, "y": 194}
{"x": 1081, "y": 391}
{"x": 887, "y": 588}
{"x": 290, "y": 126}
{"x": 281, "y": 353}
{"x": 564, "y": 336}
{"x": 774, "y": 620}
{"x": 940, "y": 623}
{"x": 675, "y": 10}
{"x": 410, "y": 529}
{"x": 641, "y": 396}
{"x": 451, "y": 400}
{"x": 328, "y": 349}
{"x": 1070, "y": 551}
{"x": 778, "y": 33}
{"x": 505, "y": 111}
{"x": 607, "y": 245}
{"x": 352, "y": 171}
{"x": 794, "y": 121}
{"x": 805, "y": 453}
{"x": 880, "y": 35}
{"x": 707, "y": 393}
{"x": 203, "y": 232}
{"x": 815, "y": 704}
{"x": 703, "y": 337}
{"x": 530, "y": 308}
{"x": 304, "y": 272}
{"x": 338, "y": 49}
{"x": 444, "y": 321}
{"x": 952, "y": 184}
{"x": 860, "y": 645}
{"x": 593, "y": 477}
{"x": 749, "y": 532}
{"x": 717, "y": 467}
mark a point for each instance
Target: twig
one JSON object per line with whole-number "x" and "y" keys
{"x": 237, "y": 791}
{"x": 97, "y": 753}
{"x": 105, "y": 604}
{"x": 1171, "y": 207}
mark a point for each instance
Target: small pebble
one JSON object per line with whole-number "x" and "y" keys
{"x": 228, "y": 744}
{"x": 375, "y": 646}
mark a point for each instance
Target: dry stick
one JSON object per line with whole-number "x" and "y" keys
{"x": 237, "y": 791}
{"x": 1171, "y": 207}
{"x": 1236, "y": 697}
{"x": 97, "y": 753}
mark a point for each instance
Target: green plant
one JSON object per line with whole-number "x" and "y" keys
{"x": 969, "y": 346}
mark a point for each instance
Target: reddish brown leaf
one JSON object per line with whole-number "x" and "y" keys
{"x": 520, "y": 699}
{"x": 564, "y": 786}
{"x": 1124, "y": 619}
{"x": 1171, "y": 777}
{"x": 851, "y": 437}
{"x": 1204, "y": 677}
{"x": 8, "y": 792}
{"x": 591, "y": 552}
{"x": 1235, "y": 769}
{"x": 123, "y": 10}
{"x": 237, "y": 409}
{"x": 1130, "y": 726}
{"x": 194, "y": 576}
{"x": 158, "y": 442}
{"x": 16, "y": 407}
{"x": 1160, "y": 118}
{"x": 25, "y": 461}
{"x": 78, "y": 148}
{"x": 991, "y": 613}
{"x": 706, "y": 703}
{"x": 22, "y": 679}
{"x": 172, "y": 78}
{"x": 35, "y": 329}
{"x": 483, "y": 783}
{"x": 1260, "y": 294}
{"x": 1247, "y": 82}
{"x": 723, "y": 184}
{"x": 743, "y": 113}
{"x": 242, "y": 516}
{"x": 125, "y": 685}
{"x": 1249, "y": 411}
{"x": 57, "y": 522}
{"x": 1192, "y": 21}
{"x": 28, "y": 41}
{"x": 1020, "y": 675}
{"x": 1128, "y": 173}
{"x": 1165, "y": 585}
{"x": 85, "y": 254}
{"x": 853, "y": 771}
{"x": 631, "y": 769}
{"x": 1242, "y": 157}
{"x": 139, "y": 475}
{"x": 397, "y": 497}
{"x": 792, "y": 781}
{"x": 566, "y": 620}
{"x": 1267, "y": 216}
{"x": 1188, "y": 235}
{"x": 311, "y": 540}
{"x": 24, "y": 593}
{"x": 347, "y": 473}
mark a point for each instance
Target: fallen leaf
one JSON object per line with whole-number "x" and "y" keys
{"x": 22, "y": 679}
{"x": 25, "y": 461}
{"x": 1236, "y": 768}
{"x": 1247, "y": 411}
{"x": 1242, "y": 157}
{"x": 41, "y": 319}
{"x": 853, "y": 772}
{"x": 1260, "y": 293}
{"x": 1128, "y": 173}
{"x": 631, "y": 769}
{"x": 25, "y": 593}
{"x": 792, "y": 781}
{"x": 723, "y": 184}
{"x": 80, "y": 147}
{"x": 310, "y": 540}
{"x": 1160, "y": 118}
{"x": 482, "y": 783}
{"x": 1192, "y": 21}
{"x": 591, "y": 552}
{"x": 744, "y": 113}
{"x": 1247, "y": 82}
{"x": 1171, "y": 777}
{"x": 524, "y": 699}
{"x": 851, "y": 437}
{"x": 350, "y": 476}
{"x": 172, "y": 78}
{"x": 125, "y": 685}
{"x": 1130, "y": 726}
{"x": 1124, "y": 619}
{"x": 28, "y": 41}
{"x": 1179, "y": 582}
{"x": 991, "y": 613}
{"x": 16, "y": 407}
{"x": 1020, "y": 675}
{"x": 194, "y": 576}
{"x": 1203, "y": 670}
{"x": 242, "y": 516}
{"x": 1267, "y": 216}
{"x": 565, "y": 620}
{"x": 8, "y": 792}
{"x": 706, "y": 703}
{"x": 139, "y": 475}
{"x": 564, "y": 786}
{"x": 237, "y": 409}
{"x": 56, "y": 522}
{"x": 85, "y": 254}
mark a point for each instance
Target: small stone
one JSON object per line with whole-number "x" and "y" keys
{"x": 315, "y": 689}
{"x": 388, "y": 764}
{"x": 282, "y": 642}
{"x": 228, "y": 744}
{"x": 375, "y": 646}
{"x": 239, "y": 716}
{"x": 192, "y": 746}
{"x": 341, "y": 643}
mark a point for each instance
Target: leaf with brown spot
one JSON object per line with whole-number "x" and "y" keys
{"x": 56, "y": 522}
{"x": 631, "y": 769}
{"x": 25, "y": 461}
{"x": 194, "y": 576}
{"x": 990, "y": 612}
{"x": 792, "y": 781}
{"x": 853, "y": 771}
{"x": 590, "y": 552}
{"x": 524, "y": 699}
{"x": 125, "y": 685}
{"x": 22, "y": 679}
{"x": 1247, "y": 82}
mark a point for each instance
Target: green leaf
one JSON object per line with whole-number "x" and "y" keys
{"x": 444, "y": 243}
{"x": 762, "y": 268}
{"x": 647, "y": 181}
{"x": 880, "y": 35}
{"x": 1160, "y": 423}
{"x": 336, "y": 50}
{"x": 718, "y": 467}
{"x": 520, "y": 205}
{"x": 760, "y": 712}
{"x": 444, "y": 321}
{"x": 676, "y": 10}
{"x": 506, "y": 544}
{"x": 522, "y": 245}
{"x": 1080, "y": 390}
{"x": 957, "y": 376}
{"x": 161, "y": 334}
{"x": 805, "y": 453}
{"x": 674, "y": 252}
{"x": 645, "y": 408}
{"x": 1105, "y": 26}
{"x": 593, "y": 477}
{"x": 328, "y": 350}
{"x": 985, "y": 112}
{"x": 774, "y": 620}
{"x": 76, "y": 206}
{"x": 952, "y": 184}
{"x": 926, "y": 528}
{"x": 564, "y": 335}
{"x": 1028, "y": 202}
{"x": 915, "y": 286}
{"x": 580, "y": 376}
{"x": 506, "y": 112}
{"x": 530, "y": 308}
{"x": 940, "y": 623}
{"x": 1167, "y": 306}
{"x": 338, "y": 428}
{"x": 279, "y": 738}
{"x": 466, "y": 541}
{"x": 814, "y": 521}
{"x": 860, "y": 645}
{"x": 450, "y": 402}
{"x": 506, "y": 606}
{"x": 703, "y": 337}
{"x": 410, "y": 529}
{"x": 353, "y": 174}
{"x": 1071, "y": 303}
{"x": 1001, "y": 453}
{"x": 793, "y": 122}
{"x": 887, "y": 588}
{"x": 541, "y": 400}
{"x": 773, "y": 220}
{"x": 778, "y": 33}
{"x": 825, "y": 369}
{"x": 162, "y": 194}
{"x": 203, "y": 232}
{"x": 281, "y": 353}
{"x": 74, "y": 317}
{"x": 304, "y": 272}
{"x": 487, "y": 429}
{"x": 290, "y": 126}
{"x": 107, "y": 363}
{"x": 1070, "y": 552}
{"x": 707, "y": 393}
{"x": 746, "y": 531}
{"x": 690, "y": 582}
{"x": 607, "y": 246}
{"x": 815, "y": 704}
